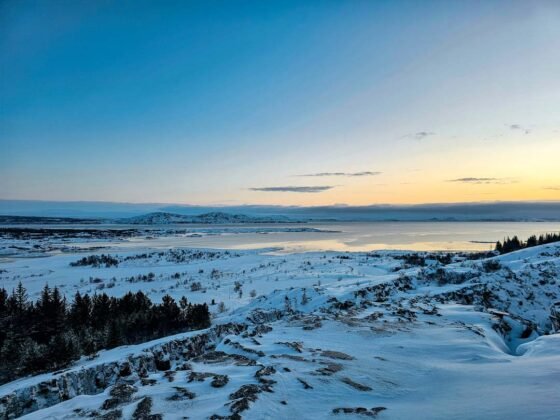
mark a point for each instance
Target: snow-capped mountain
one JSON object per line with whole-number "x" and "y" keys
{"x": 214, "y": 218}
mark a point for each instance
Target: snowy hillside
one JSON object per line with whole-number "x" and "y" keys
{"x": 387, "y": 335}
{"x": 163, "y": 218}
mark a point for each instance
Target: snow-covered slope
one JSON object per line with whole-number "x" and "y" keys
{"x": 386, "y": 335}
{"x": 163, "y": 218}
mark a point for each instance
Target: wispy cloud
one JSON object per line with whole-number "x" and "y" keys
{"x": 484, "y": 180}
{"x": 306, "y": 189}
{"x": 420, "y": 135}
{"x": 553, "y": 188}
{"x": 518, "y": 127}
{"x": 364, "y": 173}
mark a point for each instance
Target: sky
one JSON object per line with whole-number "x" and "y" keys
{"x": 280, "y": 102}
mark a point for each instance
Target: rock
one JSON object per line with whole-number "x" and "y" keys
{"x": 182, "y": 394}
{"x": 255, "y": 341}
{"x": 143, "y": 411}
{"x": 125, "y": 370}
{"x": 111, "y": 415}
{"x": 120, "y": 394}
{"x": 241, "y": 360}
{"x": 266, "y": 384}
{"x": 261, "y": 316}
{"x": 555, "y": 316}
{"x": 291, "y": 357}
{"x": 163, "y": 363}
{"x": 219, "y": 381}
{"x": 305, "y": 384}
{"x": 246, "y": 391}
{"x": 110, "y": 403}
{"x": 212, "y": 357}
{"x": 170, "y": 375}
{"x": 356, "y": 385}
{"x": 359, "y": 410}
{"x": 329, "y": 369}
{"x": 239, "y": 346}
{"x": 200, "y": 376}
{"x": 295, "y": 345}
{"x": 336, "y": 355}
{"x": 148, "y": 382}
{"x": 218, "y": 417}
{"x": 184, "y": 366}
{"x": 265, "y": 371}
{"x": 123, "y": 392}
{"x": 240, "y": 405}
{"x": 242, "y": 397}
{"x": 260, "y": 330}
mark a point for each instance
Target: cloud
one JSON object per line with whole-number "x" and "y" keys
{"x": 421, "y": 135}
{"x": 517, "y": 127}
{"x": 475, "y": 180}
{"x": 364, "y": 173}
{"x": 553, "y": 188}
{"x": 307, "y": 189}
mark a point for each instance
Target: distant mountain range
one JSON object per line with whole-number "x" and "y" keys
{"x": 214, "y": 218}
{"x": 34, "y": 220}
{"x": 152, "y": 212}
{"x": 155, "y": 218}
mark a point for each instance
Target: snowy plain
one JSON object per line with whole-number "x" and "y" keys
{"x": 381, "y": 334}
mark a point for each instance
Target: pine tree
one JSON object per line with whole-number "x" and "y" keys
{"x": 114, "y": 335}
{"x": 499, "y": 247}
{"x": 49, "y": 335}
{"x": 3, "y": 302}
{"x": 19, "y": 300}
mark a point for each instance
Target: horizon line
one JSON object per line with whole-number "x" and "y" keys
{"x": 339, "y": 205}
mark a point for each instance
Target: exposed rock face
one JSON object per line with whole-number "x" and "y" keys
{"x": 243, "y": 396}
{"x": 120, "y": 394}
{"x": 261, "y": 316}
{"x": 182, "y": 394}
{"x": 95, "y": 379}
{"x": 143, "y": 411}
{"x": 555, "y": 316}
{"x": 373, "y": 412}
{"x": 219, "y": 381}
{"x": 336, "y": 355}
{"x": 265, "y": 371}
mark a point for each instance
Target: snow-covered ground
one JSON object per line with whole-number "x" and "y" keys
{"x": 388, "y": 335}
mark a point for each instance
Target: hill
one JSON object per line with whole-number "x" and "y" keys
{"x": 214, "y": 218}
{"x": 28, "y": 220}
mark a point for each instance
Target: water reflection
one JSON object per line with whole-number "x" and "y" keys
{"x": 351, "y": 236}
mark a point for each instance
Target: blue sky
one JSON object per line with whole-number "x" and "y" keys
{"x": 229, "y": 102}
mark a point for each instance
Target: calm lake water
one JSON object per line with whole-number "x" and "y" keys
{"x": 350, "y": 236}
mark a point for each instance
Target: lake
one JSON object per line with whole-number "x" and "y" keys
{"x": 344, "y": 236}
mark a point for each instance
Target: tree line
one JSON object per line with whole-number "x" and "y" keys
{"x": 514, "y": 244}
{"x": 50, "y": 333}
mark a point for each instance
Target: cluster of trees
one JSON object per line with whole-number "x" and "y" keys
{"x": 96, "y": 261}
{"x": 514, "y": 244}
{"x": 49, "y": 334}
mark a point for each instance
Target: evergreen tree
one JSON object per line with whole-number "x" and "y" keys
{"x": 50, "y": 335}
{"x": 114, "y": 335}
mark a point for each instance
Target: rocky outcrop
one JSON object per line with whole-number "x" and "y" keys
{"x": 95, "y": 379}
{"x": 555, "y": 317}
